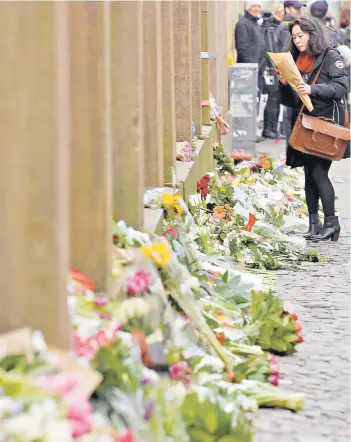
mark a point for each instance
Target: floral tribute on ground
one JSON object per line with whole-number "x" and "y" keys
{"x": 197, "y": 302}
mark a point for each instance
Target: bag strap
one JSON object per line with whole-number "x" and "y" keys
{"x": 314, "y": 80}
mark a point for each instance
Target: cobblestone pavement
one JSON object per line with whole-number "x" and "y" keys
{"x": 321, "y": 368}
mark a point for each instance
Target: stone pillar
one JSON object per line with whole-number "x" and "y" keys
{"x": 212, "y": 46}
{"x": 127, "y": 112}
{"x": 196, "y": 64}
{"x": 205, "y": 76}
{"x": 152, "y": 77}
{"x": 91, "y": 236}
{"x": 34, "y": 168}
{"x": 168, "y": 92}
{"x": 182, "y": 69}
{"x": 222, "y": 63}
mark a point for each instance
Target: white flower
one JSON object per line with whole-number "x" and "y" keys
{"x": 24, "y": 427}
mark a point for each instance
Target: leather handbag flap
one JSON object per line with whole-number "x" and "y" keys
{"x": 325, "y": 127}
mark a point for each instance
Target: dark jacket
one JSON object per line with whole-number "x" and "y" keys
{"x": 282, "y": 33}
{"x": 331, "y": 32}
{"x": 328, "y": 96}
{"x": 248, "y": 39}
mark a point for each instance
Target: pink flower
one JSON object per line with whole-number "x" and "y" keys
{"x": 173, "y": 231}
{"x": 271, "y": 358}
{"x": 100, "y": 301}
{"x": 187, "y": 380}
{"x": 178, "y": 370}
{"x": 102, "y": 338}
{"x": 79, "y": 414}
{"x": 106, "y": 316}
{"x": 274, "y": 379}
{"x": 274, "y": 369}
{"x": 139, "y": 283}
{"x": 298, "y": 326}
{"x": 79, "y": 428}
{"x": 290, "y": 198}
{"x": 78, "y": 406}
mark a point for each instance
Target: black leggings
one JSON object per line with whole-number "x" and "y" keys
{"x": 318, "y": 185}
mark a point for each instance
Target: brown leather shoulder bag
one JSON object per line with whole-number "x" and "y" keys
{"x": 318, "y": 136}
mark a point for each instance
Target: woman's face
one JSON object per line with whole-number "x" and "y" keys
{"x": 300, "y": 38}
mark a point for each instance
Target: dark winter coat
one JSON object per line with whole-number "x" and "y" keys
{"x": 331, "y": 32}
{"x": 328, "y": 96}
{"x": 282, "y": 33}
{"x": 248, "y": 39}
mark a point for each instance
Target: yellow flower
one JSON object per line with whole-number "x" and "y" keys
{"x": 177, "y": 209}
{"x": 169, "y": 200}
{"x": 158, "y": 252}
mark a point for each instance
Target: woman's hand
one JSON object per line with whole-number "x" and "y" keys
{"x": 303, "y": 88}
{"x": 282, "y": 81}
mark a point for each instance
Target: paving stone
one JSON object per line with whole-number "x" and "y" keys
{"x": 320, "y": 295}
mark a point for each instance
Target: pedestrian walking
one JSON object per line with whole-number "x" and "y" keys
{"x": 311, "y": 51}
{"x": 319, "y": 10}
{"x": 271, "y": 21}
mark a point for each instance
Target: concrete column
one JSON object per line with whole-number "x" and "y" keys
{"x": 222, "y": 64}
{"x": 127, "y": 112}
{"x": 91, "y": 236}
{"x": 182, "y": 69}
{"x": 196, "y": 64}
{"x": 168, "y": 92}
{"x": 152, "y": 77}
{"x": 212, "y": 46}
{"x": 34, "y": 168}
{"x": 205, "y": 76}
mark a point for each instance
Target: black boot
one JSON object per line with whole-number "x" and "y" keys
{"x": 330, "y": 230}
{"x": 314, "y": 228}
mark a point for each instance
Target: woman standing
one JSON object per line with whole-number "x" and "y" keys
{"x": 310, "y": 49}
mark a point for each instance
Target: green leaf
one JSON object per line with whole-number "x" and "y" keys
{"x": 290, "y": 338}
{"x": 211, "y": 422}
{"x": 200, "y": 435}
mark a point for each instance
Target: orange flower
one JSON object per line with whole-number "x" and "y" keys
{"x": 219, "y": 212}
{"x": 266, "y": 164}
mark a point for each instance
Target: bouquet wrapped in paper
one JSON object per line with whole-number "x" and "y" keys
{"x": 287, "y": 67}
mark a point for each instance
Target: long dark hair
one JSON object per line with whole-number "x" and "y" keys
{"x": 318, "y": 42}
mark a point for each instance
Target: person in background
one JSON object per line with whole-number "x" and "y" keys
{"x": 319, "y": 10}
{"x": 292, "y": 10}
{"x": 248, "y": 34}
{"x": 271, "y": 21}
{"x": 344, "y": 27}
{"x": 248, "y": 41}
{"x": 310, "y": 48}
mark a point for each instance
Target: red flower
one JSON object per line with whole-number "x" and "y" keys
{"x": 250, "y": 223}
{"x": 82, "y": 279}
{"x": 127, "y": 437}
{"x": 294, "y": 316}
{"x": 220, "y": 339}
{"x": 299, "y": 340}
{"x": 202, "y": 185}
